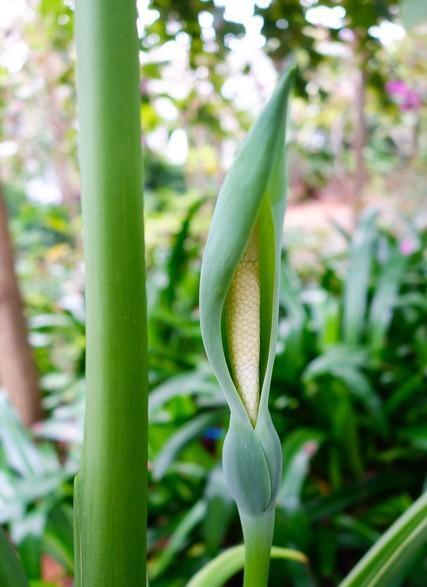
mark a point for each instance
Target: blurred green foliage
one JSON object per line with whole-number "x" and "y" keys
{"x": 348, "y": 401}
{"x": 348, "y": 393}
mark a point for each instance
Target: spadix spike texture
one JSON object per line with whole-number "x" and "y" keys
{"x": 239, "y": 318}
{"x": 242, "y": 318}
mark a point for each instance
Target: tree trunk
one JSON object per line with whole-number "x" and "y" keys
{"x": 415, "y": 137}
{"x": 18, "y": 375}
{"x": 360, "y": 132}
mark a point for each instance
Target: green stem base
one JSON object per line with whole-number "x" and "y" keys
{"x": 258, "y": 535}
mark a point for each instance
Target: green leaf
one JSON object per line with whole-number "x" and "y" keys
{"x": 293, "y": 357}
{"x": 192, "y": 383}
{"x": 415, "y": 435}
{"x": 357, "y": 282}
{"x": 360, "y": 387}
{"x": 329, "y": 322}
{"x": 404, "y": 393}
{"x": 384, "y": 300}
{"x": 178, "y": 261}
{"x": 24, "y": 455}
{"x": 178, "y": 538}
{"x": 11, "y": 572}
{"x": 344, "y": 363}
{"x": 300, "y": 447}
{"x": 393, "y": 552}
{"x": 228, "y": 563}
{"x": 30, "y": 554}
{"x": 220, "y": 509}
{"x": 324, "y": 507}
{"x": 58, "y": 536}
{"x": 179, "y": 440}
{"x": 339, "y": 355}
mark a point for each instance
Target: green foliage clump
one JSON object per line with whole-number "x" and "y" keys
{"x": 347, "y": 399}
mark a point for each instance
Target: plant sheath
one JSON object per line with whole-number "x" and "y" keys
{"x": 111, "y": 490}
{"x": 239, "y": 303}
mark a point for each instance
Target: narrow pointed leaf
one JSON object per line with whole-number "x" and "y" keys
{"x": 384, "y": 300}
{"x": 192, "y": 383}
{"x": 219, "y": 512}
{"x": 11, "y": 572}
{"x": 299, "y": 448}
{"x": 179, "y": 440}
{"x": 178, "y": 539}
{"x": 230, "y": 562}
{"x": 394, "y": 551}
{"x": 357, "y": 282}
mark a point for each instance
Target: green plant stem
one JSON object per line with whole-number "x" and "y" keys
{"x": 258, "y": 538}
{"x": 111, "y": 487}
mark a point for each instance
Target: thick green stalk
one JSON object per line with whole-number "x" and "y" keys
{"x": 258, "y": 538}
{"x": 111, "y": 485}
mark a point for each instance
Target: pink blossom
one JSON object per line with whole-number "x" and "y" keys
{"x": 310, "y": 448}
{"x": 407, "y": 247}
{"x": 407, "y": 98}
{"x": 397, "y": 87}
{"x": 411, "y": 101}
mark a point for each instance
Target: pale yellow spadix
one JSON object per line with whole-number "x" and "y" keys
{"x": 242, "y": 327}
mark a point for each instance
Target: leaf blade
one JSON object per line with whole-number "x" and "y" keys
{"x": 228, "y": 563}
{"x": 388, "y": 557}
{"x": 11, "y": 572}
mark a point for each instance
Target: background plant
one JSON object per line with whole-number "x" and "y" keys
{"x": 346, "y": 489}
{"x": 327, "y": 499}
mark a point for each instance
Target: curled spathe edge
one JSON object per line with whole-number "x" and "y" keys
{"x": 253, "y": 193}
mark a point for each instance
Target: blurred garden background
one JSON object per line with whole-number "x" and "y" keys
{"x": 349, "y": 385}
